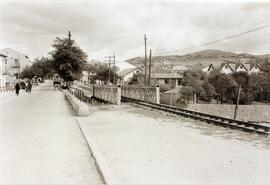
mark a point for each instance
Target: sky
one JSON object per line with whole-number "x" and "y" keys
{"x": 104, "y": 27}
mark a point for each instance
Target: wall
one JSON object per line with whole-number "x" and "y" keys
{"x": 16, "y": 62}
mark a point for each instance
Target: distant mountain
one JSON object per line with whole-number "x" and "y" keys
{"x": 198, "y": 59}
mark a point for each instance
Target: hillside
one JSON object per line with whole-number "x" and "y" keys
{"x": 198, "y": 59}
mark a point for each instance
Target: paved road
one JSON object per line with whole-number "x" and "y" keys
{"x": 40, "y": 142}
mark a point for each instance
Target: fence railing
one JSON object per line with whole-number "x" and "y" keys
{"x": 143, "y": 93}
{"x": 113, "y": 94}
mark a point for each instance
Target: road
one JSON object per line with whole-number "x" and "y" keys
{"x": 43, "y": 142}
{"x": 40, "y": 141}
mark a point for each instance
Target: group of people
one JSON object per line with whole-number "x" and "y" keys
{"x": 61, "y": 85}
{"x": 28, "y": 87}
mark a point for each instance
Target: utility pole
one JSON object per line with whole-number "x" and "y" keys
{"x": 237, "y": 102}
{"x": 114, "y": 79}
{"x": 69, "y": 35}
{"x": 110, "y": 57}
{"x": 150, "y": 63}
{"x": 109, "y": 70}
{"x": 145, "y": 60}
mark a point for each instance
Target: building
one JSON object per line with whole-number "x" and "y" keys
{"x": 255, "y": 68}
{"x": 2, "y": 70}
{"x": 15, "y": 62}
{"x": 229, "y": 68}
{"x": 173, "y": 79}
{"x": 179, "y": 69}
{"x": 126, "y": 75}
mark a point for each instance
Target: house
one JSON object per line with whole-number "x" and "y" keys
{"x": 180, "y": 69}
{"x": 255, "y": 68}
{"x": 127, "y": 74}
{"x": 240, "y": 67}
{"x": 2, "y": 70}
{"x": 14, "y": 64}
{"x": 209, "y": 68}
{"x": 229, "y": 68}
{"x": 173, "y": 79}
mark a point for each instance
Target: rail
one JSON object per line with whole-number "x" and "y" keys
{"x": 209, "y": 118}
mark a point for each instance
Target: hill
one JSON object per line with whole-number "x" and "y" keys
{"x": 199, "y": 59}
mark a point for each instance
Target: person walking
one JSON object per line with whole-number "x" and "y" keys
{"x": 29, "y": 87}
{"x": 17, "y": 88}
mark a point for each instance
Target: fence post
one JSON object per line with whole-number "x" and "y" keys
{"x": 118, "y": 94}
{"x": 157, "y": 95}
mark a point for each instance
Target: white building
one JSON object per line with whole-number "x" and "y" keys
{"x": 179, "y": 69}
{"x": 229, "y": 68}
{"x": 127, "y": 74}
{"x": 2, "y": 70}
{"x": 14, "y": 64}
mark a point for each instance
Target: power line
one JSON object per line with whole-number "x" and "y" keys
{"x": 219, "y": 40}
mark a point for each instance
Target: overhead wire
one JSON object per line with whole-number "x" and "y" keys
{"x": 216, "y": 41}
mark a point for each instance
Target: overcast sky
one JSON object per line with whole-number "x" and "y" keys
{"x": 101, "y": 28}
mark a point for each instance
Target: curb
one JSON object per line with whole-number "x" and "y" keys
{"x": 80, "y": 108}
{"x": 100, "y": 163}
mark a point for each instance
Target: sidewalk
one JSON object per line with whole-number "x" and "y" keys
{"x": 41, "y": 143}
{"x": 136, "y": 146}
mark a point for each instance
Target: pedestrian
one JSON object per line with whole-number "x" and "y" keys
{"x": 17, "y": 88}
{"x": 29, "y": 87}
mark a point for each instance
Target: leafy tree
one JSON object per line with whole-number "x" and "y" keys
{"x": 196, "y": 84}
{"x": 224, "y": 85}
{"x": 27, "y": 73}
{"x": 68, "y": 59}
{"x": 102, "y": 73}
{"x": 42, "y": 67}
{"x": 209, "y": 91}
{"x": 137, "y": 79}
{"x": 242, "y": 78}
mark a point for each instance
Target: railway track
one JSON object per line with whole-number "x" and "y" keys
{"x": 209, "y": 118}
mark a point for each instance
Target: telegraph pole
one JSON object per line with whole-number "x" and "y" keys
{"x": 150, "y": 61}
{"x": 237, "y": 102}
{"x": 69, "y": 35}
{"x": 109, "y": 70}
{"x": 145, "y": 60}
{"x": 110, "y": 57}
{"x": 114, "y": 79}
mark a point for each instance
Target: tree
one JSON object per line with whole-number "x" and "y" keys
{"x": 224, "y": 85}
{"x": 42, "y": 68}
{"x": 243, "y": 79}
{"x": 136, "y": 79}
{"x": 102, "y": 73}
{"x": 196, "y": 85}
{"x": 68, "y": 59}
{"x": 27, "y": 73}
